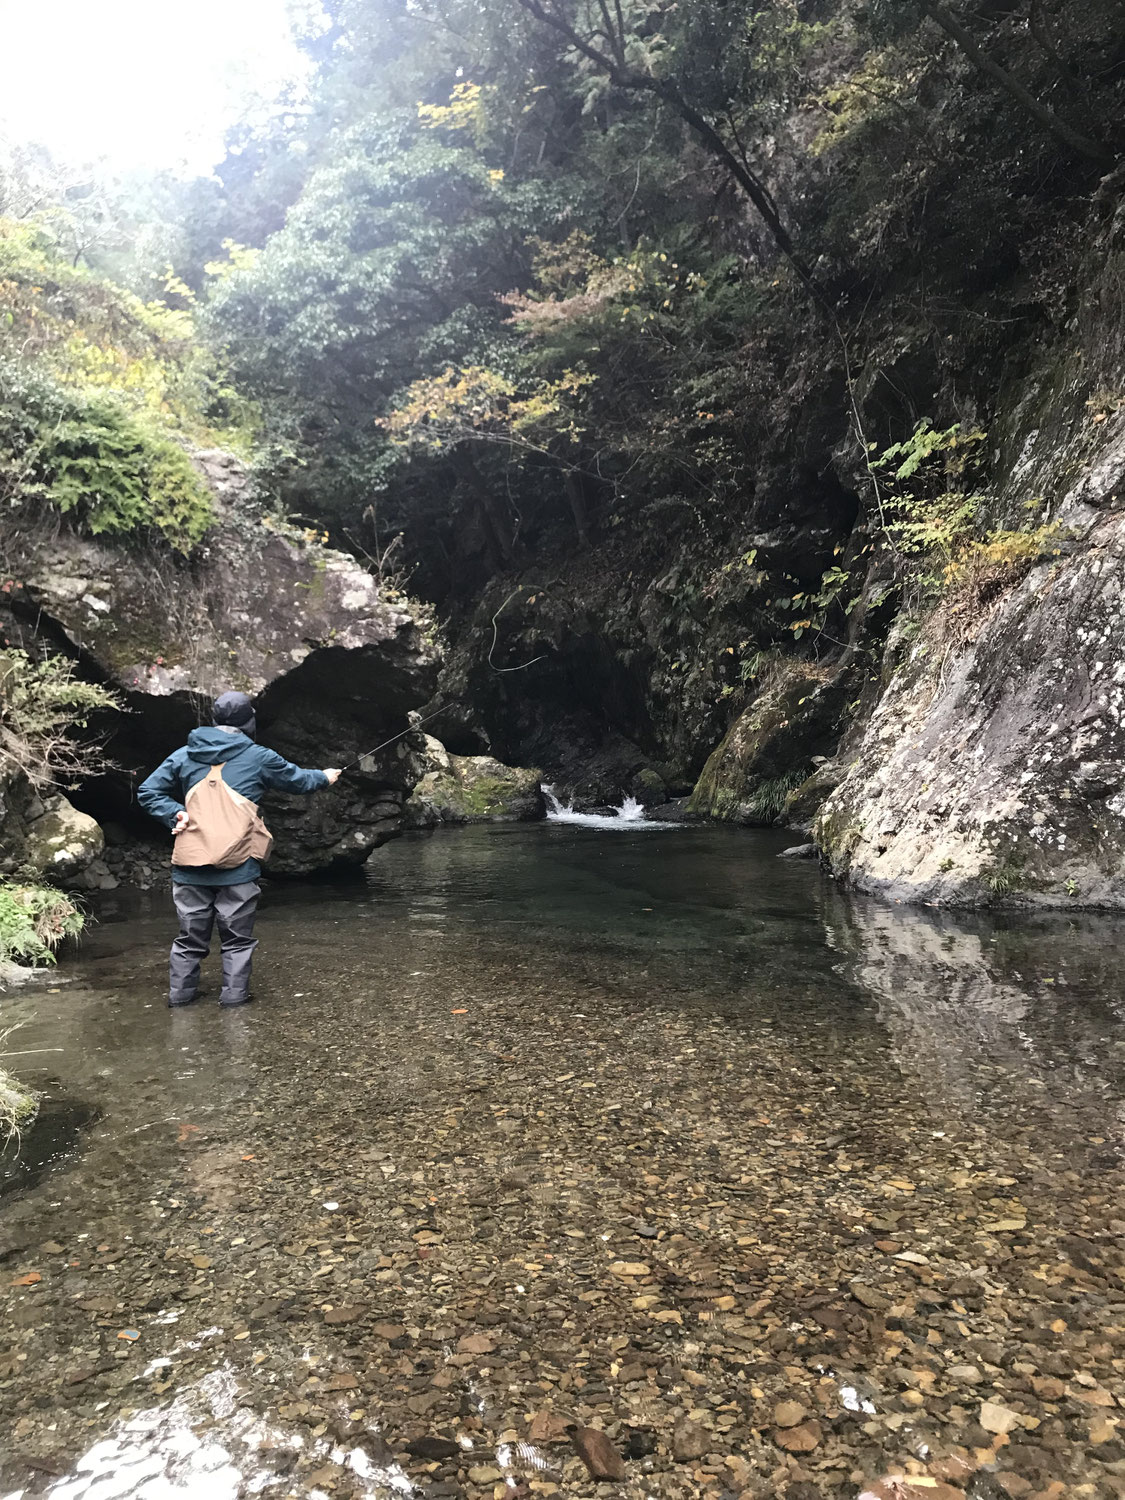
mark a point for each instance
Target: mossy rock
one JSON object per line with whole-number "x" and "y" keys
{"x": 62, "y": 842}
{"x": 473, "y": 789}
{"x": 768, "y": 751}
{"x": 649, "y": 787}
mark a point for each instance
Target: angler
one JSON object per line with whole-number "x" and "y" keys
{"x": 207, "y": 793}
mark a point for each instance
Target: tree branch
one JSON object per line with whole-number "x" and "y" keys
{"x": 616, "y": 42}
{"x": 1083, "y": 144}
{"x": 668, "y": 90}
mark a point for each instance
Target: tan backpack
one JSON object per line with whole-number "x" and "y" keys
{"x": 226, "y": 828}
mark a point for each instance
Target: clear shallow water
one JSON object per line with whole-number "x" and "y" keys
{"x": 393, "y": 1200}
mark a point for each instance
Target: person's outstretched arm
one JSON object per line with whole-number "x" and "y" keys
{"x": 283, "y": 776}
{"x": 159, "y": 794}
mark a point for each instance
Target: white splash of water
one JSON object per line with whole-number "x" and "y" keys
{"x": 630, "y": 814}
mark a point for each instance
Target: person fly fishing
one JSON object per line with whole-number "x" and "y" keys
{"x": 207, "y": 793}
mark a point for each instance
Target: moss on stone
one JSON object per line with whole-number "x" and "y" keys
{"x": 473, "y": 789}
{"x": 17, "y": 1107}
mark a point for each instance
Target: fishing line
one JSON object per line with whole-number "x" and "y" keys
{"x": 408, "y": 730}
{"x": 499, "y": 671}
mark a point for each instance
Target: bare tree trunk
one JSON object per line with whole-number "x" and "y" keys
{"x": 629, "y": 79}
{"x": 1084, "y": 145}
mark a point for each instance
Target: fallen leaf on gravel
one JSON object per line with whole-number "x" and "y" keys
{"x": 346, "y": 1314}
{"x": 801, "y": 1439}
{"x": 789, "y": 1414}
{"x": 916, "y": 1487}
{"x": 548, "y": 1427}
{"x": 29, "y": 1280}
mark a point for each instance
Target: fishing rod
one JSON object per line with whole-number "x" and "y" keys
{"x": 410, "y": 729}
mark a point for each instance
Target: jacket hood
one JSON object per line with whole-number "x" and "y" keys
{"x": 214, "y": 747}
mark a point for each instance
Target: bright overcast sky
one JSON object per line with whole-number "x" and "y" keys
{"x": 141, "y": 83}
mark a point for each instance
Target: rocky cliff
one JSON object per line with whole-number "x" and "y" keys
{"x": 332, "y": 659}
{"x": 955, "y": 739}
{"x": 992, "y": 767}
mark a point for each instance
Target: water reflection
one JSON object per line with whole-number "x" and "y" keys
{"x": 990, "y": 1013}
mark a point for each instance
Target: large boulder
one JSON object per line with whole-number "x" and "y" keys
{"x": 333, "y": 658}
{"x": 473, "y": 789}
{"x": 44, "y": 836}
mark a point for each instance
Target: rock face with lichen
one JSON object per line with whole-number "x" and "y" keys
{"x": 993, "y": 766}
{"x": 43, "y": 835}
{"x": 473, "y": 789}
{"x": 333, "y": 660}
{"x": 770, "y": 748}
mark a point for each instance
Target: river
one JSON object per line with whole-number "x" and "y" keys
{"x": 642, "y": 1129}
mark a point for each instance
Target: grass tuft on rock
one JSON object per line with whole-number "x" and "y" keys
{"x": 34, "y": 920}
{"x": 17, "y": 1107}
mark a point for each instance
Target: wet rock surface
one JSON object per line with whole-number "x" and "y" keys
{"x": 559, "y": 1163}
{"x": 990, "y": 772}
{"x": 769, "y": 750}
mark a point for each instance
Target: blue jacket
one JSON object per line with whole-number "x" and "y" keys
{"x": 247, "y": 768}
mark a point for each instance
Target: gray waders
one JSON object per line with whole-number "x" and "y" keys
{"x": 199, "y": 907}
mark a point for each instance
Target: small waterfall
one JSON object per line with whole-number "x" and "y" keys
{"x": 630, "y": 814}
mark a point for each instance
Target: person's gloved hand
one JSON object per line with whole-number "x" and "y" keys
{"x": 180, "y": 824}
{"x": 333, "y": 776}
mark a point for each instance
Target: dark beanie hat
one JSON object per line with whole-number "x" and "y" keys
{"x": 235, "y": 711}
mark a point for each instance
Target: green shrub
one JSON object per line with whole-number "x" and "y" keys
{"x": 89, "y": 456}
{"x": 34, "y": 919}
{"x": 118, "y": 477}
{"x": 42, "y": 704}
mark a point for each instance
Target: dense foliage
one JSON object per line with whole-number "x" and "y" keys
{"x": 33, "y": 922}
{"x": 98, "y": 390}
{"x": 551, "y": 262}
